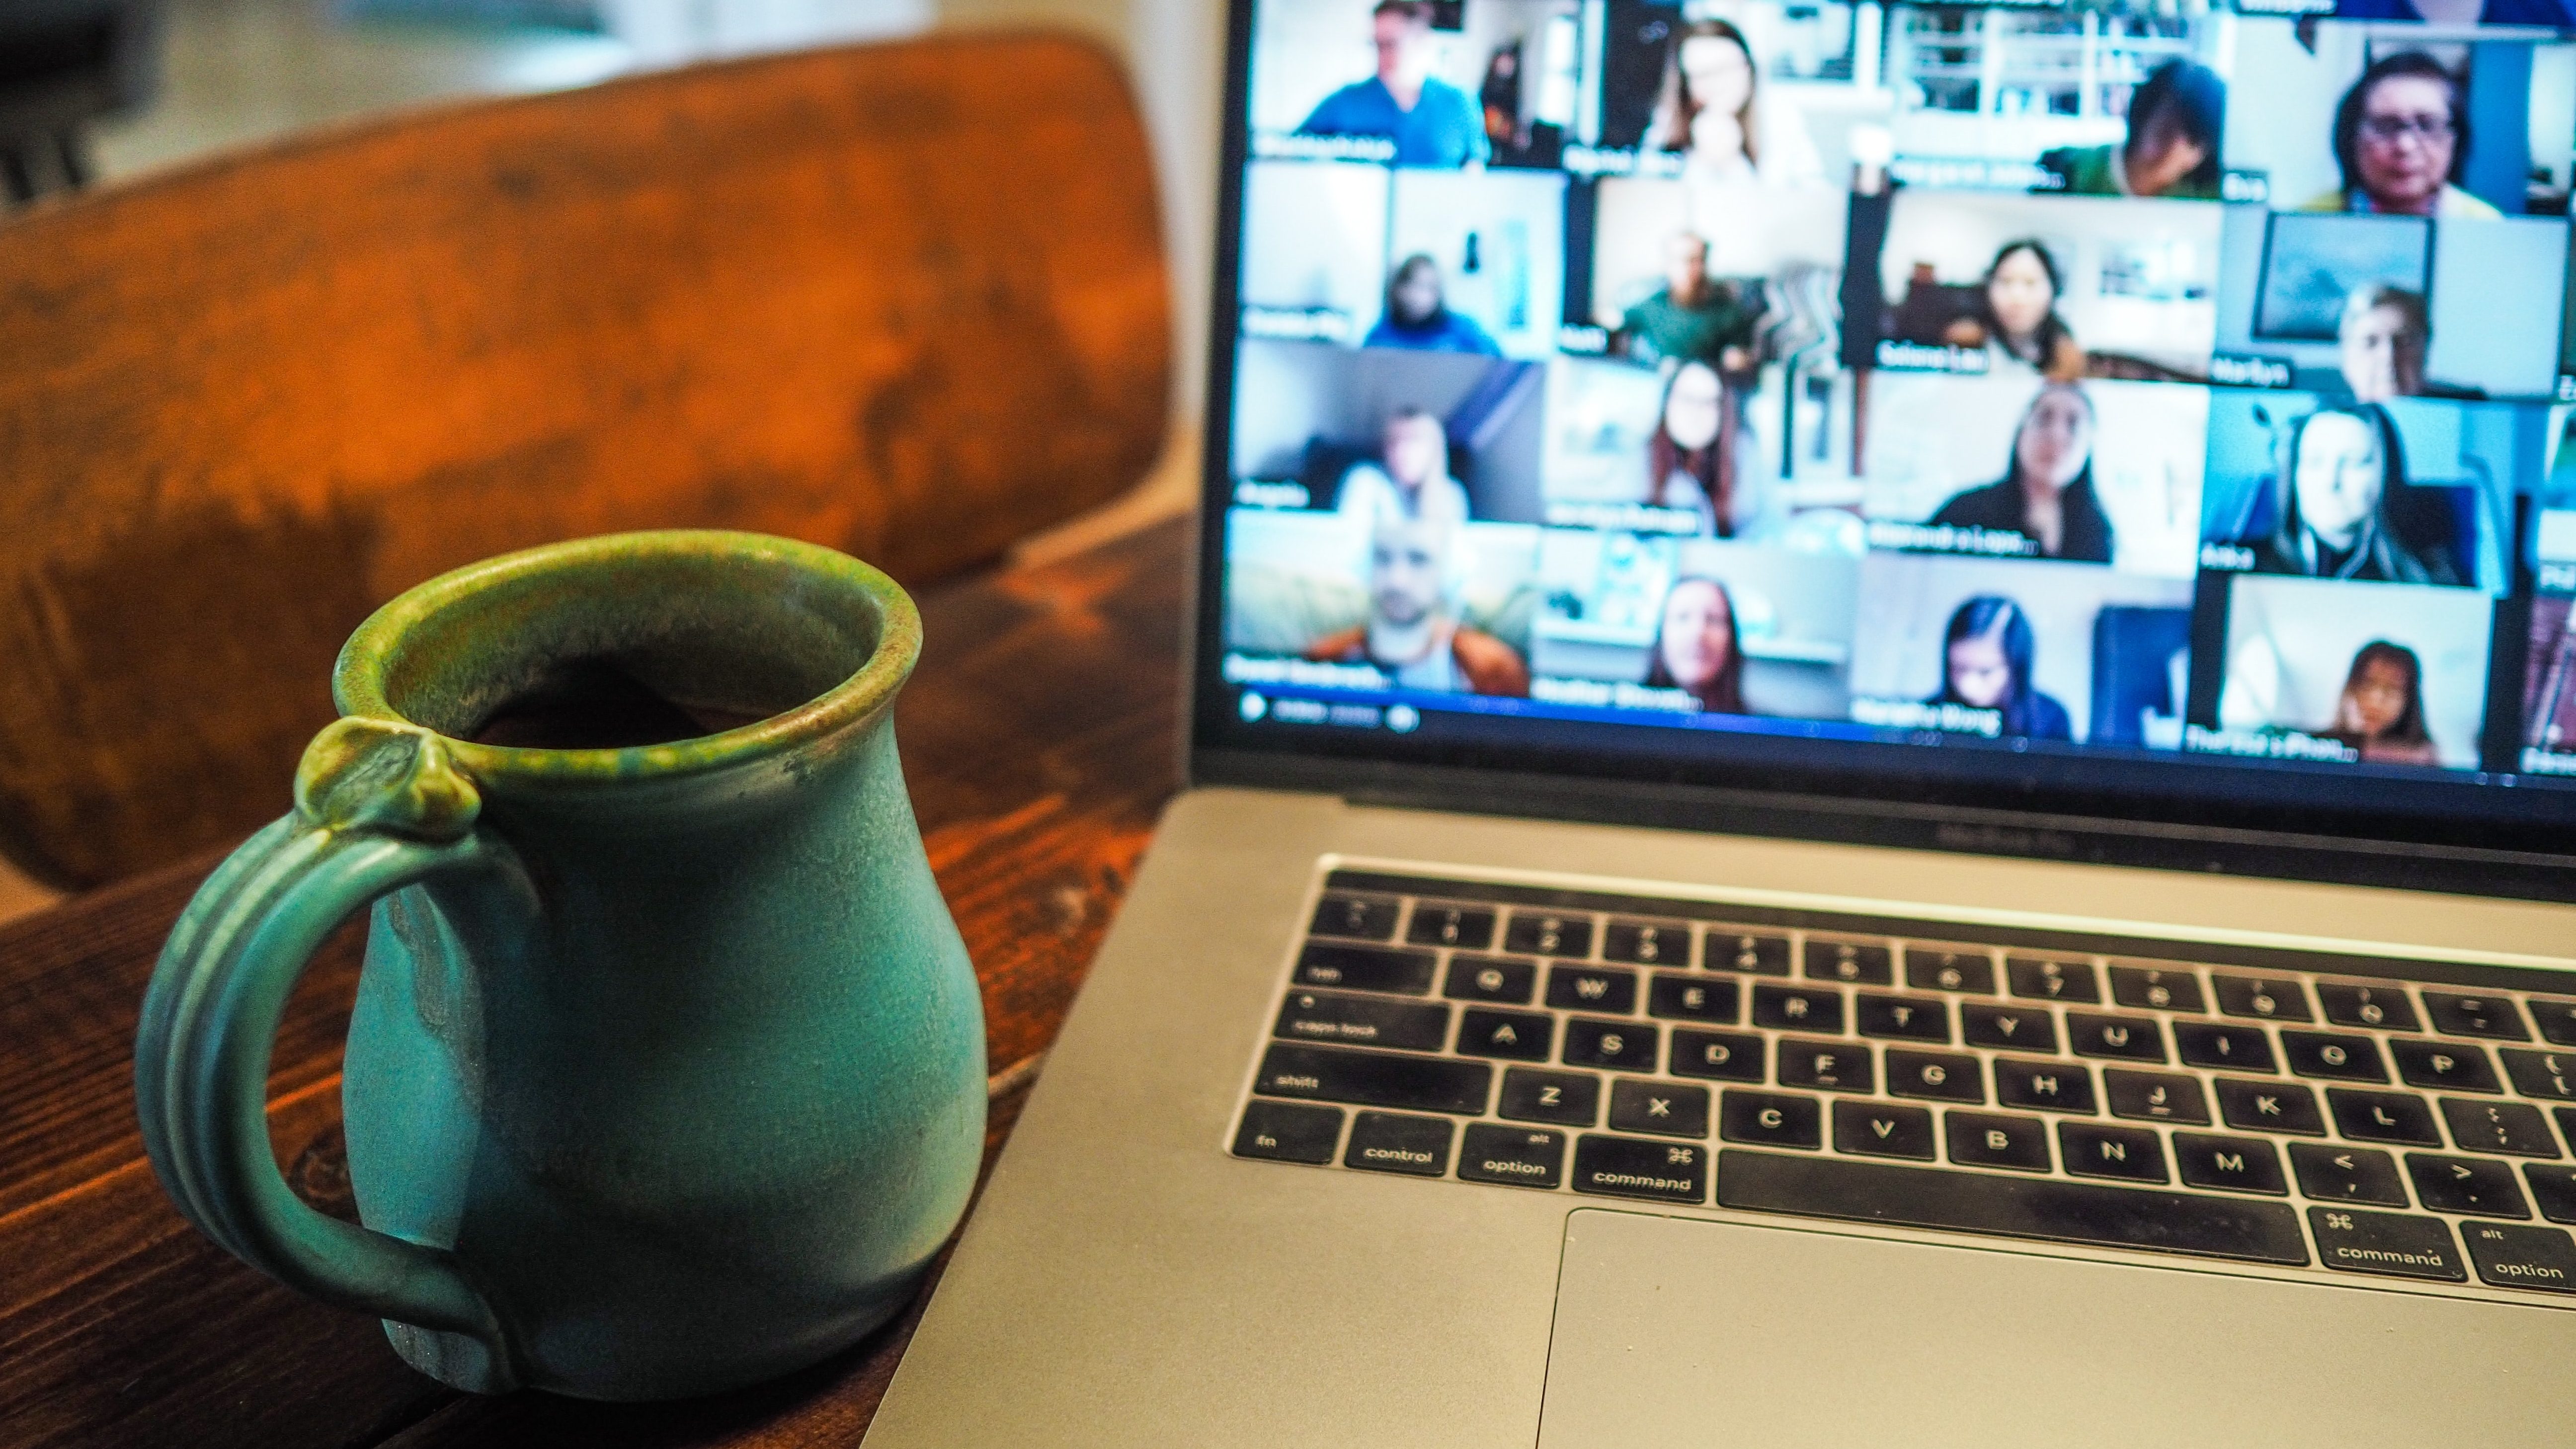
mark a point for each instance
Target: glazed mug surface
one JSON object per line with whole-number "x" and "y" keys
{"x": 666, "y": 1073}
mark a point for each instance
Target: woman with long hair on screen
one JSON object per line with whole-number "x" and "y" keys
{"x": 2046, "y": 494}
{"x": 2401, "y": 137}
{"x": 1711, "y": 110}
{"x": 1986, "y": 659}
{"x": 2381, "y": 710}
{"x": 1687, "y": 466}
{"x": 2176, "y": 117}
{"x": 1697, "y": 647}
{"x": 2016, "y": 319}
{"x": 2348, "y": 512}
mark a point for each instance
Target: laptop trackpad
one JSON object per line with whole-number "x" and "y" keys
{"x": 1674, "y": 1331}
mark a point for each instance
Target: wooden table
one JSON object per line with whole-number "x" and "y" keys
{"x": 1038, "y": 738}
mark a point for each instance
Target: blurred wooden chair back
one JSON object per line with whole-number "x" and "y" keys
{"x": 907, "y": 300}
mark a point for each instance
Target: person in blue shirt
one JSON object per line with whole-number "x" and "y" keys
{"x": 1418, "y": 317}
{"x": 1431, "y": 122}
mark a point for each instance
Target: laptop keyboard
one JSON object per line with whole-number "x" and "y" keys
{"x": 2352, "y": 1116}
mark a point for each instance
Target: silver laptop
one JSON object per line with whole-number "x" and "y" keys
{"x": 1881, "y": 744}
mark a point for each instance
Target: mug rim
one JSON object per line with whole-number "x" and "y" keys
{"x": 358, "y": 677}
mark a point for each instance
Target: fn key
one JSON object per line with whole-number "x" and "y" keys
{"x": 1288, "y": 1132}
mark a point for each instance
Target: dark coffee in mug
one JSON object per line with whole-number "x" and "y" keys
{"x": 598, "y": 704}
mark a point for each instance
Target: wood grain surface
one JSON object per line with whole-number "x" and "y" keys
{"x": 907, "y": 300}
{"x": 1038, "y": 740}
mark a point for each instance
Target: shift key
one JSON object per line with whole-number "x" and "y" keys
{"x": 1374, "y": 1079}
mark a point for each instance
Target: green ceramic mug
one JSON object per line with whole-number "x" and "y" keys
{"x": 667, "y": 1068}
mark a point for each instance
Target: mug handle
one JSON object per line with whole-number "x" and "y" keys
{"x": 379, "y": 805}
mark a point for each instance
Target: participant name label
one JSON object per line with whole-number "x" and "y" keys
{"x": 1949, "y": 538}
{"x": 1915, "y": 714}
{"x": 2269, "y": 745}
{"x": 1622, "y": 518}
{"x": 1612, "y": 694}
{"x": 1312, "y": 673}
{"x": 1297, "y": 324}
{"x": 1974, "y": 173}
{"x": 1288, "y": 146}
{"x": 2547, "y": 762}
{"x": 2238, "y": 370}
{"x": 1930, "y": 357}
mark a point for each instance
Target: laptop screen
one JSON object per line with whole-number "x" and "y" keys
{"x": 2150, "y": 407}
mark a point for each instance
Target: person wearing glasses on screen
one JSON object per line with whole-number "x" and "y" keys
{"x": 1410, "y": 634}
{"x": 2046, "y": 494}
{"x": 1417, "y": 316}
{"x": 1710, "y": 109}
{"x": 1431, "y": 122}
{"x": 2016, "y": 320}
{"x": 2401, "y": 135}
{"x": 2176, "y": 117}
{"x": 1986, "y": 661}
{"x": 2348, "y": 512}
{"x": 1697, "y": 647}
{"x": 2381, "y": 710}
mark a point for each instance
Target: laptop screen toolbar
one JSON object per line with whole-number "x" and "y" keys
{"x": 2161, "y": 403}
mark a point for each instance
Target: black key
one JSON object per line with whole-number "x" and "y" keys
{"x": 2019, "y": 1207}
{"x": 1719, "y": 1056}
{"x": 1834, "y": 1066}
{"x": 2512, "y": 1257}
{"x": 1798, "y": 1008}
{"x": 1385, "y": 1142}
{"x": 1950, "y": 968}
{"x": 1938, "y": 1076}
{"x": 2045, "y": 980}
{"x": 2155, "y": 1096}
{"x": 2557, "y": 1020}
{"x": 1693, "y": 998}
{"x": 2227, "y": 1048}
{"x": 2553, "y": 1189}
{"x": 1666, "y": 1109}
{"x": 1768, "y": 1119}
{"x": 1989, "y": 1139}
{"x": 2445, "y": 1065}
{"x": 2333, "y": 1055}
{"x": 2043, "y": 1086}
{"x": 1364, "y": 968}
{"x": 2007, "y": 1028}
{"x": 2382, "y": 1117}
{"x": 2466, "y": 1185}
{"x": 1857, "y": 963}
{"x": 1905, "y": 1018}
{"x": 1627, "y": 1167}
{"x": 1546, "y": 934}
{"x": 2385, "y": 1243}
{"x": 2127, "y": 1038}
{"x": 2347, "y": 1174}
{"x": 1564, "y": 1098}
{"x": 2157, "y": 988}
{"x": 2512, "y": 1128}
{"x": 1647, "y": 943}
{"x": 1362, "y": 1021}
{"x": 1437, "y": 923}
{"x": 1520, "y": 1036}
{"x": 1627, "y": 1045}
{"x": 2541, "y": 1073}
{"x": 2270, "y": 1107}
{"x": 1519, "y": 1156}
{"x": 2271, "y": 998}
{"x": 1361, "y": 918}
{"x": 2458, "y": 1014}
{"x": 1756, "y": 953}
{"x": 1880, "y": 1129}
{"x": 2235, "y": 1164}
{"x": 2367, "y": 1006}
{"x": 1542, "y": 934}
{"x": 1373, "y": 1079}
{"x": 1591, "y": 988}
{"x": 2128, "y": 1154}
{"x": 1506, "y": 979}
{"x": 1287, "y": 1132}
